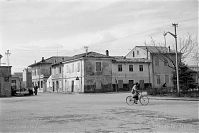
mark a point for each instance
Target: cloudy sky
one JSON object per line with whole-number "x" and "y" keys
{"x": 32, "y": 29}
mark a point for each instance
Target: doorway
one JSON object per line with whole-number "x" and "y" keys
{"x": 72, "y": 86}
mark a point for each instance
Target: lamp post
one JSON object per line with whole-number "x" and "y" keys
{"x": 176, "y": 51}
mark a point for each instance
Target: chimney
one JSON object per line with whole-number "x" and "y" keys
{"x": 169, "y": 49}
{"x": 0, "y": 59}
{"x": 42, "y": 60}
{"x": 107, "y": 53}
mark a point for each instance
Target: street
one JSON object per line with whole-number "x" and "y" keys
{"x": 93, "y": 113}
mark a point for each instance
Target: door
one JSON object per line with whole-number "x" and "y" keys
{"x": 120, "y": 84}
{"x": 53, "y": 86}
{"x": 72, "y": 86}
{"x": 57, "y": 86}
{"x": 131, "y": 82}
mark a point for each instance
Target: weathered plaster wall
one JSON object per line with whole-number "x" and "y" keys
{"x": 73, "y": 76}
{"x": 97, "y": 81}
{"x": 162, "y": 70}
{"x": 141, "y": 54}
{"x": 5, "y": 81}
{"x": 127, "y": 75}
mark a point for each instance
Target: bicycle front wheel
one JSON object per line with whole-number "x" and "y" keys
{"x": 144, "y": 100}
{"x": 129, "y": 100}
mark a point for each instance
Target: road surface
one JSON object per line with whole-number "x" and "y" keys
{"x": 93, "y": 113}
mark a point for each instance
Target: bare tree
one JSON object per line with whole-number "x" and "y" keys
{"x": 164, "y": 54}
{"x": 188, "y": 47}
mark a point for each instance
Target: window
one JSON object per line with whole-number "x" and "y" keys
{"x": 131, "y": 82}
{"x": 119, "y": 68}
{"x": 67, "y": 69}
{"x": 131, "y": 68}
{"x": 59, "y": 69}
{"x": 72, "y": 67}
{"x": 98, "y": 67}
{"x": 141, "y": 82}
{"x": 141, "y": 67}
{"x": 165, "y": 62}
{"x": 14, "y": 81}
{"x": 167, "y": 79}
{"x": 158, "y": 79}
{"x": 133, "y": 54}
{"x": 137, "y": 52}
{"x": 156, "y": 61}
{"x": 78, "y": 67}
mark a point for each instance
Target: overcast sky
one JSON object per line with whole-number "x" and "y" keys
{"x": 32, "y": 29}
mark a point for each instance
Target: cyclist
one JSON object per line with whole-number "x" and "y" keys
{"x": 134, "y": 91}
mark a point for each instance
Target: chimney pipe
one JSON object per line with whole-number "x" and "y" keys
{"x": 42, "y": 59}
{"x": 107, "y": 53}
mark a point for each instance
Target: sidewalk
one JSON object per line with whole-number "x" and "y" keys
{"x": 173, "y": 98}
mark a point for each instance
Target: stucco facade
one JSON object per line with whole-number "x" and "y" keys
{"x": 126, "y": 72}
{"x": 162, "y": 60}
{"x": 87, "y": 74}
{"x": 41, "y": 71}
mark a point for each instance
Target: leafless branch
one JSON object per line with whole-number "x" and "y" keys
{"x": 187, "y": 46}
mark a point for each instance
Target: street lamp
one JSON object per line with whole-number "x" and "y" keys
{"x": 176, "y": 51}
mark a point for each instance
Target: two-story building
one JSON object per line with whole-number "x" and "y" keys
{"x": 41, "y": 71}
{"x": 87, "y": 72}
{"x": 128, "y": 71}
{"x": 162, "y": 63}
{"x": 95, "y": 72}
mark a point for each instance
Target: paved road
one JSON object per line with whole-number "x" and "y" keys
{"x": 90, "y": 113}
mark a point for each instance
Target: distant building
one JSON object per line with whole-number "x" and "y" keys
{"x": 16, "y": 82}
{"x": 5, "y": 81}
{"x": 41, "y": 71}
{"x": 162, "y": 60}
{"x": 27, "y": 78}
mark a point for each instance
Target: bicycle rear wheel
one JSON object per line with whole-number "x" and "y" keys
{"x": 130, "y": 100}
{"x": 144, "y": 100}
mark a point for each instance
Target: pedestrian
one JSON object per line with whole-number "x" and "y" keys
{"x": 35, "y": 89}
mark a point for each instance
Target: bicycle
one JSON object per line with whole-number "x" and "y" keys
{"x": 143, "y": 99}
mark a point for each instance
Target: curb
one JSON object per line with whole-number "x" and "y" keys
{"x": 178, "y": 99}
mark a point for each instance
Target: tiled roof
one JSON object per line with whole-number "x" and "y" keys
{"x": 51, "y": 60}
{"x": 156, "y": 49}
{"x": 88, "y": 54}
{"x": 122, "y": 59}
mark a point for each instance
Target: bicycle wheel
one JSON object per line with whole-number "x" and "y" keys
{"x": 129, "y": 100}
{"x": 144, "y": 100}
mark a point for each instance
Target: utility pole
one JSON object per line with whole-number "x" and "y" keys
{"x": 8, "y": 54}
{"x": 177, "y": 74}
{"x": 176, "y": 51}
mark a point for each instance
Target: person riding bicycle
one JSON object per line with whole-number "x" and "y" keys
{"x": 134, "y": 91}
